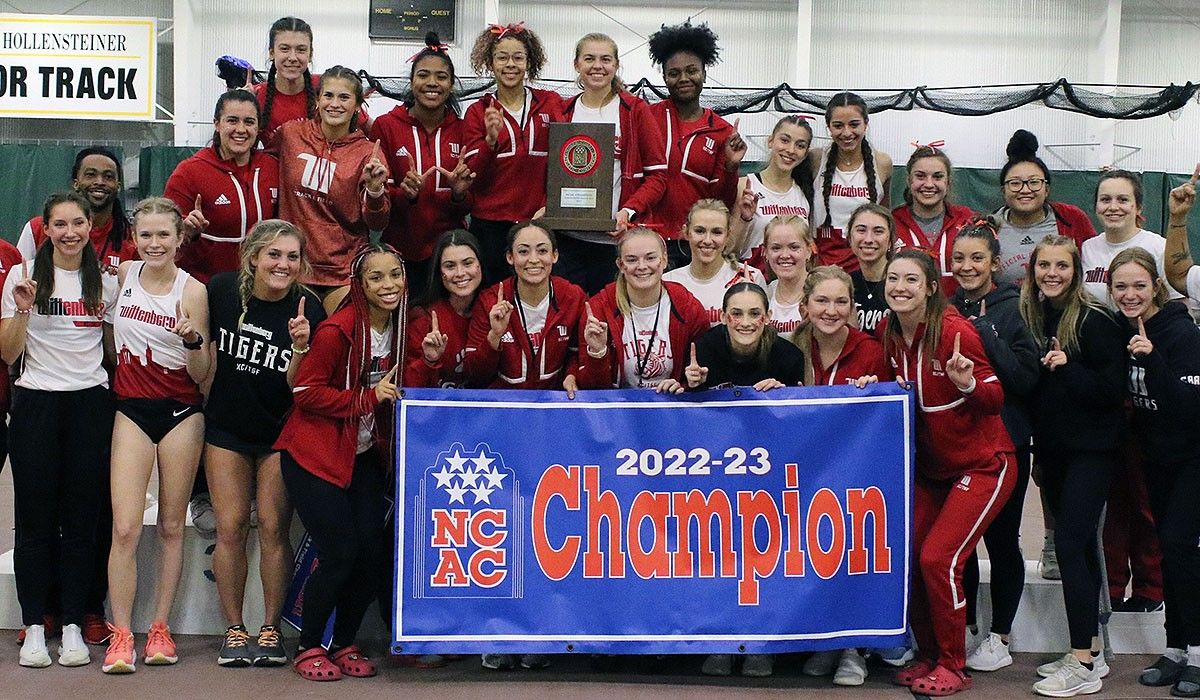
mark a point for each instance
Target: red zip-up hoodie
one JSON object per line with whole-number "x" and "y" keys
{"x": 688, "y": 322}
{"x": 321, "y": 192}
{"x": 510, "y": 366}
{"x": 861, "y": 355}
{"x": 233, "y": 198}
{"x": 510, "y": 182}
{"x": 321, "y": 431}
{"x": 909, "y": 234}
{"x": 956, "y": 432}
{"x": 449, "y": 371}
{"x": 416, "y": 225}
{"x": 695, "y": 166}
{"x": 10, "y": 258}
{"x": 642, "y": 152}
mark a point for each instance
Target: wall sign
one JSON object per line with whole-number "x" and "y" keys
{"x": 410, "y": 20}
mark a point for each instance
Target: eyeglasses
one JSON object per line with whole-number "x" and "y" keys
{"x": 1034, "y": 184}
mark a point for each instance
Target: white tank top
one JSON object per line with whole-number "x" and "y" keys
{"x": 771, "y": 204}
{"x": 848, "y": 191}
{"x": 785, "y": 318}
{"x": 151, "y": 359}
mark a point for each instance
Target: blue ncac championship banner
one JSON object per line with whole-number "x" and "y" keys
{"x": 628, "y": 522}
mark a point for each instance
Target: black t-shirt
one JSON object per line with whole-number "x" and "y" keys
{"x": 250, "y": 395}
{"x": 785, "y": 363}
{"x": 869, "y": 300}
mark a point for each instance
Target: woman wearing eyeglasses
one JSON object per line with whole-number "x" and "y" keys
{"x": 1027, "y": 216}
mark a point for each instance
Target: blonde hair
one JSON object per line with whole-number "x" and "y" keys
{"x": 802, "y": 337}
{"x": 718, "y": 207}
{"x": 262, "y": 235}
{"x": 158, "y": 205}
{"x": 1078, "y": 301}
{"x": 622, "y": 285}
{"x": 617, "y": 84}
{"x": 781, "y": 220}
{"x": 1143, "y": 259}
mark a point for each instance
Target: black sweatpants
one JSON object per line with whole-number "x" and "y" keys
{"x": 590, "y": 265}
{"x": 1076, "y": 486}
{"x": 345, "y": 525}
{"x": 59, "y": 446}
{"x": 1003, "y": 541}
{"x": 1173, "y": 493}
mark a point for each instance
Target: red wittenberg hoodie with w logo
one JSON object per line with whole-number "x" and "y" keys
{"x": 320, "y": 191}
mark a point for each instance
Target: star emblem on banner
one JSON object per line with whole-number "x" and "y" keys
{"x": 474, "y": 474}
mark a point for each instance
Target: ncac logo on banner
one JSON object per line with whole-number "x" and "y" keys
{"x": 465, "y": 539}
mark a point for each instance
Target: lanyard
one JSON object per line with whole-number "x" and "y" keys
{"x": 533, "y": 350}
{"x": 641, "y": 360}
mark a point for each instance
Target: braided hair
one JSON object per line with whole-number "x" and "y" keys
{"x": 433, "y": 47}
{"x": 288, "y": 24}
{"x": 359, "y": 368}
{"x": 847, "y": 99}
{"x": 696, "y": 39}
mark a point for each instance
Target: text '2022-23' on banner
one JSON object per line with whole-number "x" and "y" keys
{"x": 628, "y": 522}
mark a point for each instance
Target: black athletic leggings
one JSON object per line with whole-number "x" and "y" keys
{"x": 345, "y": 525}
{"x": 1173, "y": 492}
{"x": 1003, "y": 540}
{"x": 58, "y": 445}
{"x": 1076, "y": 487}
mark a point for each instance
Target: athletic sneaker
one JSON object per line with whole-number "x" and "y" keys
{"x": 1072, "y": 678}
{"x": 1163, "y": 672}
{"x": 896, "y": 656}
{"x": 269, "y": 648}
{"x": 851, "y": 670}
{"x": 991, "y": 654}
{"x": 717, "y": 665}
{"x": 535, "y": 661}
{"x": 822, "y": 663}
{"x": 52, "y": 628}
{"x": 203, "y": 517}
{"x": 33, "y": 650}
{"x": 758, "y": 665}
{"x": 1048, "y": 564}
{"x": 121, "y": 657}
{"x": 235, "y": 649}
{"x": 95, "y": 629}
{"x": 1049, "y": 669}
{"x": 160, "y": 648}
{"x": 74, "y": 651}
{"x": 499, "y": 662}
{"x": 1140, "y": 604}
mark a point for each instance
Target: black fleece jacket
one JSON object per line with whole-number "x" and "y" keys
{"x": 1165, "y": 386}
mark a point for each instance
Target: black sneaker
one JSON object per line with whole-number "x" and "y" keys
{"x": 1162, "y": 672}
{"x": 270, "y": 648}
{"x": 1188, "y": 685}
{"x": 1141, "y": 604}
{"x": 235, "y": 649}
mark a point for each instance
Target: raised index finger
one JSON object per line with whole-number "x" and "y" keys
{"x": 694, "y": 363}
{"x": 433, "y": 325}
{"x": 197, "y": 202}
{"x": 1195, "y": 175}
{"x": 390, "y": 377}
{"x": 957, "y": 343}
{"x": 1142, "y": 328}
{"x": 300, "y": 307}
{"x": 25, "y": 269}
{"x": 587, "y": 305}
{"x": 377, "y": 152}
{"x": 735, "y": 124}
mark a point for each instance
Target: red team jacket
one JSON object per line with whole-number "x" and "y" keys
{"x": 688, "y": 322}
{"x": 415, "y": 226}
{"x": 511, "y": 176}
{"x": 509, "y": 367}
{"x": 909, "y": 234}
{"x": 322, "y": 194}
{"x": 695, "y": 165}
{"x": 861, "y": 355}
{"x": 448, "y": 371}
{"x": 321, "y": 432}
{"x": 956, "y": 432}
{"x": 10, "y": 257}
{"x": 233, "y": 198}
{"x": 642, "y": 151}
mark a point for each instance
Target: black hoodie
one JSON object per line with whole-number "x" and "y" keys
{"x": 1165, "y": 386}
{"x": 1010, "y": 349}
{"x": 1080, "y": 405}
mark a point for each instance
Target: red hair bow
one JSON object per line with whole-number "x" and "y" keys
{"x": 932, "y": 144}
{"x": 503, "y": 30}
{"x": 435, "y": 48}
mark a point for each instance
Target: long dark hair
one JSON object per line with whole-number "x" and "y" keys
{"x": 288, "y": 24}
{"x": 89, "y": 269}
{"x": 762, "y": 355}
{"x": 802, "y": 174}
{"x": 120, "y": 223}
{"x": 436, "y": 291}
{"x": 847, "y": 99}
{"x": 935, "y": 306}
{"x": 234, "y": 95}
{"x": 433, "y": 47}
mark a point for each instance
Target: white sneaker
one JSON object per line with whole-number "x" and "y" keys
{"x": 203, "y": 517}
{"x": 991, "y": 654}
{"x": 74, "y": 651}
{"x": 1072, "y": 678}
{"x": 1049, "y": 669}
{"x": 851, "y": 670}
{"x": 821, "y": 663}
{"x": 33, "y": 649}
{"x": 1048, "y": 564}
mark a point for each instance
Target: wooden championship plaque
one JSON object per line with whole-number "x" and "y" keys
{"x": 579, "y": 177}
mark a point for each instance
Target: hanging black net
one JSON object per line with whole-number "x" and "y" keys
{"x": 1104, "y": 101}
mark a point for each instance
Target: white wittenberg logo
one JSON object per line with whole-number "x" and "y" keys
{"x": 318, "y": 172}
